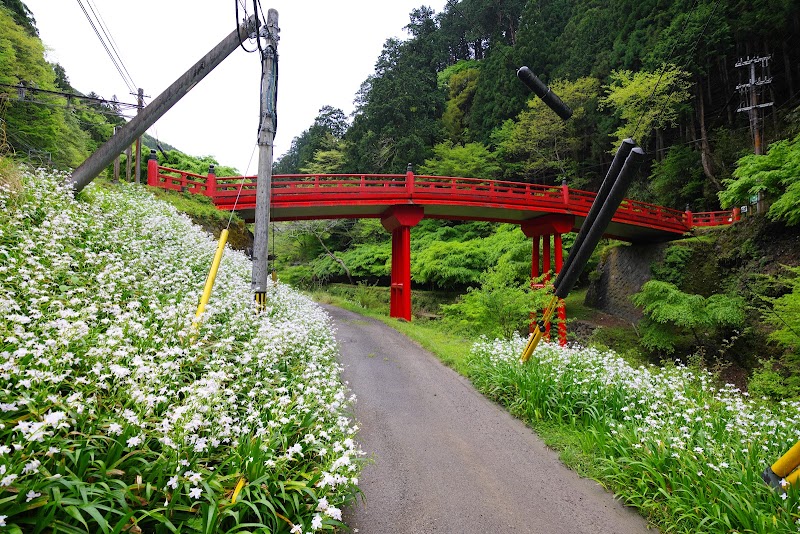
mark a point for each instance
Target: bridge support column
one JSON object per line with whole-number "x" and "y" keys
{"x": 540, "y": 230}
{"x": 399, "y": 220}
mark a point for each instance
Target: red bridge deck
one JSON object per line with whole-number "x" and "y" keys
{"x": 339, "y": 196}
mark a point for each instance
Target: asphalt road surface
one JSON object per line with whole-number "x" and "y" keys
{"x": 448, "y": 460}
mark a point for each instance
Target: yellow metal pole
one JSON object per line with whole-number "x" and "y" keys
{"x": 788, "y": 462}
{"x": 536, "y": 335}
{"x": 212, "y": 275}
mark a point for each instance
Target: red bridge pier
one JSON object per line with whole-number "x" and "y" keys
{"x": 541, "y": 230}
{"x": 399, "y": 220}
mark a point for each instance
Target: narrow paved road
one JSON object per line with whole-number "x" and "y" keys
{"x": 449, "y": 461}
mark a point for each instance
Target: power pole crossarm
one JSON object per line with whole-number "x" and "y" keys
{"x": 104, "y": 155}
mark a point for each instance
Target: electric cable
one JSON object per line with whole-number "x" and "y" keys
{"x": 109, "y": 37}
{"x": 105, "y": 46}
{"x": 241, "y": 184}
{"x": 238, "y": 30}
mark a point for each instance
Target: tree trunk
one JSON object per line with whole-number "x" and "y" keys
{"x": 334, "y": 257}
{"x": 705, "y": 147}
{"x": 787, "y": 67}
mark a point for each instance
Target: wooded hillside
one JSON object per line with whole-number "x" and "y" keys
{"x": 447, "y": 99}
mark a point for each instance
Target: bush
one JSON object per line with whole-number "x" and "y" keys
{"x": 669, "y": 312}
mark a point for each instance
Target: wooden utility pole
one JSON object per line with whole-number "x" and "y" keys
{"x": 128, "y": 164}
{"x": 752, "y": 102}
{"x": 266, "y": 135}
{"x": 103, "y": 156}
{"x": 139, "y": 107}
{"x": 116, "y": 162}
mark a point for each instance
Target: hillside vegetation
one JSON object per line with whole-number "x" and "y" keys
{"x": 118, "y": 414}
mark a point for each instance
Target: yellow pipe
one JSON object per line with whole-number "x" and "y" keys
{"x": 212, "y": 275}
{"x": 788, "y": 462}
{"x": 536, "y": 335}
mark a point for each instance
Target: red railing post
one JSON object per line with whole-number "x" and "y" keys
{"x": 152, "y": 169}
{"x": 211, "y": 182}
{"x": 410, "y": 179}
{"x": 565, "y": 191}
{"x": 737, "y": 214}
{"x": 689, "y": 219}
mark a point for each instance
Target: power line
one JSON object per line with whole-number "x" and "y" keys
{"x": 112, "y": 41}
{"x": 24, "y": 88}
{"x": 128, "y": 83}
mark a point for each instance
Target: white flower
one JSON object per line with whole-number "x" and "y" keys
{"x": 195, "y": 493}
{"x": 3, "y": 520}
{"x": 172, "y": 483}
{"x": 31, "y": 467}
{"x": 296, "y": 529}
{"x": 8, "y": 479}
{"x": 322, "y": 504}
{"x": 115, "y": 428}
{"x": 316, "y": 522}
{"x": 334, "y": 512}
{"x": 133, "y": 441}
{"x": 32, "y": 495}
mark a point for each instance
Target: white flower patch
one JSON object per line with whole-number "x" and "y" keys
{"x": 97, "y": 348}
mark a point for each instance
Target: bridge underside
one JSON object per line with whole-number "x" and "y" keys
{"x": 619, "y": 228}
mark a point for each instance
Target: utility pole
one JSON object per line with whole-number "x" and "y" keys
{"x": 266, "y": 134}
{"x": 103, "y": 156}
{"x": 752, "y": 101}
{"x": 139, "y": 107}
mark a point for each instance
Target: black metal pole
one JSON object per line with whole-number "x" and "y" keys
{"x": 608, "y": 182}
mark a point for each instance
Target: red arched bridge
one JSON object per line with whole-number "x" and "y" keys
{"x": 402, "y": 200}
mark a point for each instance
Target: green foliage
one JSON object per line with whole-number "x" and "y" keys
{"x": 673, "y": 267}
{"x": 176, "y": 159}
{"x": 670, "y": 312}
{"x": 646, "y": 101}
{"x": 775, "y": 174}
{"x": 767, "y": 382}
{"x": 786, "y": 316}
{"x": 472, "y": 160}
{"x": 500, "y": 307}
{"x": 543, "y": 147}
{"x": 450, "y": 264}
{"x": 461, "y": 81}
{"x": 329, "y": 158}
{"x": 677, "y": 180}
{"x": 324, "y": 136}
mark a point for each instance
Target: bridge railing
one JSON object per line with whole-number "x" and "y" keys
{"x": 224, "y": 190}
{"x": 713, "y": 218}
{"x": 177, "y": 180}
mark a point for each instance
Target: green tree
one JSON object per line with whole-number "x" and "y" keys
{"x": 677, "y": 180}
{"x": 670, "y": 313}
{"x": 501, "y": 305}
{"x": 398, "y": 109}
{"x": 646, "y": 101}
{"x": 472, "y": 160}
{"x": 546, "y": 148}
{"x": 461, "y": 81}
{"x": 776, "y": 174}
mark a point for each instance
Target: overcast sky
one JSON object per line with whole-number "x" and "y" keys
{"x": 326, "y": 50}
